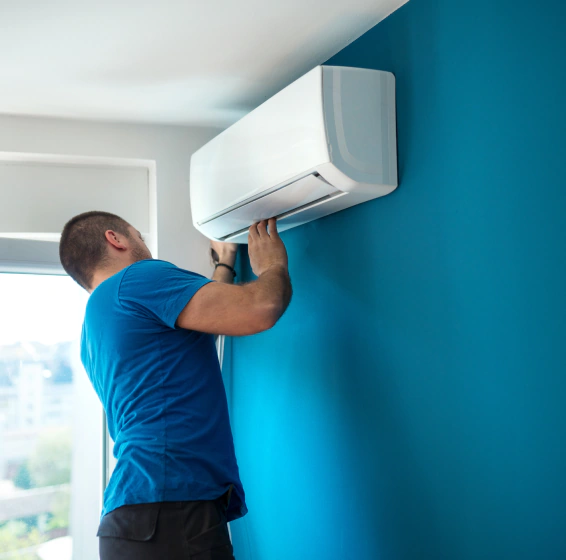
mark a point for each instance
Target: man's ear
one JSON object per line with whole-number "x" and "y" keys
{"x": 117, "y": 240}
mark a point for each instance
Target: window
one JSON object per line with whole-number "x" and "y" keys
{"x": 50, "y": 422}
{"x": 40, "y": 193}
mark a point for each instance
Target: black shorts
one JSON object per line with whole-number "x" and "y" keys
{"x": 195, "y": 530}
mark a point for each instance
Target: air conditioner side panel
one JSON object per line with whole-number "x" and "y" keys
{"x": 359, "y": 108}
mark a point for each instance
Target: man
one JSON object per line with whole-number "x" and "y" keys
{"x": 148, "y": 348}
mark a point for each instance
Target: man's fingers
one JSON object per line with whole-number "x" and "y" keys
{"x": 262, "y": 228}
{"x": 259, "y": 230}
{"x": 253, "y": 232}
{"x": 273, "y": 228}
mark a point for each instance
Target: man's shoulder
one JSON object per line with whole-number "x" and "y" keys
{"x": 154, "y": 279}
{"x": 148, "y": 270}
{"x": 152, "y": 270}
{"x": 156, "y": 264}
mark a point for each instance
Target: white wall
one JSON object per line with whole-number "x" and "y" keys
{"x": 171, "y": 148}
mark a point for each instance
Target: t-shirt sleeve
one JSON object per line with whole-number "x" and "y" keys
{"x": 158, "y": 290}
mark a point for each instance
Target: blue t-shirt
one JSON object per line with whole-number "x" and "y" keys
{"x": 162, "y": 390}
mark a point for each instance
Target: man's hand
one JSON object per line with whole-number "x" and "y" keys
{"x": 265, "y": 248}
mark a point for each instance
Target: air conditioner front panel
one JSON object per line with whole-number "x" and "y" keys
{"x": 280, "y": 140}
{"x": 282, "y": 201}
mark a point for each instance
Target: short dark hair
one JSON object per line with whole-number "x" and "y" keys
{"x": 83, "y": 245}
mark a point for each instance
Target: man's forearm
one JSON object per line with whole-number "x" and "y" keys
{"x": 273, "y": 290}
{"x": 223, "y": 274}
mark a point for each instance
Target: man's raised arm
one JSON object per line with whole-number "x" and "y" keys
{"x": 236, "y": 310}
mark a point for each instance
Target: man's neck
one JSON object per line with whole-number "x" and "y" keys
{"x": 104, "y": 273}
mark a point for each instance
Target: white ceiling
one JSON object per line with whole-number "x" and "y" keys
{"x": 169, "y": 61}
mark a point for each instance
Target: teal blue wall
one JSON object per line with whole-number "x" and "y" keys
{"x": 411, "y": 404}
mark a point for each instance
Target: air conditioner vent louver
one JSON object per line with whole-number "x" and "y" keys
{"x": 284, "y": 218}
{"x": 290, "y": 197}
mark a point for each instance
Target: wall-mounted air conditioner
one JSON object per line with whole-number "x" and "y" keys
{"x": 324, "y": 143}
